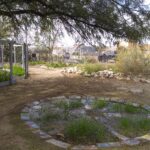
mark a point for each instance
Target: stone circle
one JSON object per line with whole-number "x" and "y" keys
{"x": 34, "y": 111}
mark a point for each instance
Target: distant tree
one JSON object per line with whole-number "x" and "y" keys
{"x": 50, "y": 36}
{"x": 128, "y": 19}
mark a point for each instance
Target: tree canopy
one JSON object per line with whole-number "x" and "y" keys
{"x": 129, "y": 19}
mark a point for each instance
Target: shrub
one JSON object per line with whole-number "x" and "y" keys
{"x": 84, "y": 130}
{"x": 134, "y": 126}
{"x": 91, "y": 59}
{"x": 132, "y": 61}
{"x": 91, "y": 68}
{"x": 4, "y": 75}
{"x": 18, "y": 71}
{"x": 100, "y": 104}
{"x": 48, "y": 116}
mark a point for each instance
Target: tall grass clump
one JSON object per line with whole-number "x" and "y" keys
{"x": 4, "y": 75}
{"x": 84, "y": 130}
{"x": 133, "y": 61}
{"x": 134, "y": 126}
{"x": 92, "y": 68}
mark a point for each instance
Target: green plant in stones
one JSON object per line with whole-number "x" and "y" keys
{"x": 75, "y": 104}
{"x": 134, "y": 126}
{"x": 49, "y": 116}
{"x": 67, "y": 106}
{"x": 100, "y": 104}
{"x": 84, "y": 130}
{"x": 127, "y": 108}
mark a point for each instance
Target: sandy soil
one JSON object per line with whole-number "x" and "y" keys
{"x": 14, "y": 135}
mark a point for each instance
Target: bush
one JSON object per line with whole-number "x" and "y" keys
{"x": 4, "y": 75}
{"x": 133, "y": 61}
{"x": 84, "y": 130}
{"x": 134, "y": 126}
{"x": 18, "y": 71}
{"x": 91, "y": 68}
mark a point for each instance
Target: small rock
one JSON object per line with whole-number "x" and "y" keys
{"x": 36, "y": 103}
{"x": 37, "y": 107}
{"x": 108, "y": 145}
{"x": 131, "y": 142}
{"x": 59, "y": 143}
{"x": 88, "y": 107}
{"x": 82, "y": 147}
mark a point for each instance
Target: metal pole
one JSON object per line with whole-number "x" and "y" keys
{"x": 11, "y": 62}
{"x": 26, "y": 60}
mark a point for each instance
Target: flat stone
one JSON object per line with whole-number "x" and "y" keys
{"x": 33, "y": 125}
{"x": 42, "y": 134}
{"x": 59, "y": 143}
{"x": 135, "y": 104}
{"x": 60, "y": 97}
{"x": 144, "y": 137}
{"x": 37, "y": 107}
{"x": 82, "y": 147}
{"x": 88, "y": 107}
{"x": 131, "y": 142}
{"x": 121, "y": 137}
{"x": 75, "y": 97}
{"x": 108, "y": 145}
{"x": 36, "y": 103}
{"x": 25, "y": 116}
{"x": 147, "y": 107}
{"x": 148, "y": 116}
{"x": 112, "y": 115}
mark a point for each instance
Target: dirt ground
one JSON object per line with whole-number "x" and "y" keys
{"x": 42, "y": 83}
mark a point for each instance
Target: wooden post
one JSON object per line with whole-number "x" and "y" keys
{"x": 11, "y": 62}
{"x": 26, "y": 60}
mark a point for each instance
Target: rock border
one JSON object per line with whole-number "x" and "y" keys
{"x": 49, "y": 139}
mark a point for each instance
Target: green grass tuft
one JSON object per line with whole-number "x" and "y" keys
{"x": 84, "y": 130}
{"x": 134, "y": 126}
{"x": 127, "y": 108}
{"x": 100, "y": 104}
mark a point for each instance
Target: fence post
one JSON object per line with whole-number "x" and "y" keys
{"x": 11, "y": 62}
{"x": 26, "y": 60}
